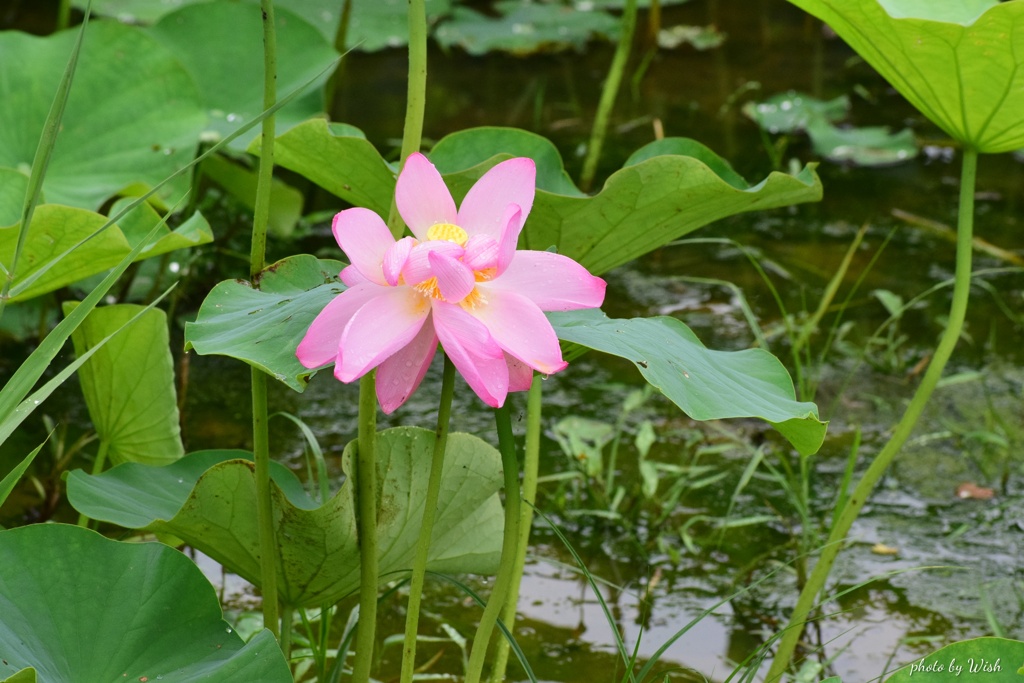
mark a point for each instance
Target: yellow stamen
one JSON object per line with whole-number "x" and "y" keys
{"x": 449, "y": 232}
{"x": 429, "y": 288}
{"x": 473, "y": 299}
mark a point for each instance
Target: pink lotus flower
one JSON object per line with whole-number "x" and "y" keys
{"x": 460, "y": 280}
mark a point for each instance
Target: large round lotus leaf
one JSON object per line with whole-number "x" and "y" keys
{"x": 54, "y": 230}
{"x": 133, "y": 11}
{"x": 373, "y": 25}
{"x": 382, "y": 24}
{"x": 704, "y": 383}
{"x": 221, "y": 45}
{"x": 79, "y": 607}
{"x": 128, "y": 384}
{"x": 133, "y": 116}
{"x": 960, "y": 63}
{"x": 12, "y": 196}
{"x": 264, "y": 326}
{"x": 523, "y": 28}
{"x": 205, "y": 499}
{"x": 47, "y": 264}
{"x": 642, "y": 206}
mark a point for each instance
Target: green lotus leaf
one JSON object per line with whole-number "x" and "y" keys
{"x": 13, "y": 184}
{"x": 959, "y": 63}
{"x": 24, "y": 676}
{"x": 647, "y": 205}
{"x": 133, "y": 116}
{"x": 621, "y": 4}
{"x": 199, "y": 498}
{"x": 214, "y": 38}
{"x": 466, "y": 148}
{"x": 373, "y": 25}
{"x": 522, "y": 28}
{"x": 240, "y": 181}
{"x": 689, "y": 148}
{"x": 792, "y": 111}
{"x": 339, "y": 159}
{"x": 705, "y": 384}
{"x": 129, "y": 384}
{"x": 642, "y": 206}
{"x": 134, "y": 11}
{"x": 870, "y": 146}
{"x": 384, "y": 24}
{"x": 264, "y": 326}
{"x": 55, "y": 229}
{"x": 139, "y": 221}
{"x": 80, "y": 607}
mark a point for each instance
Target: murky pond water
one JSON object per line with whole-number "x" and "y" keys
{"x": 948, "y": 567}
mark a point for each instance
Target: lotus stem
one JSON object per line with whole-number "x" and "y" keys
{"x": 366, "y": 481}
{"x": 509, "y": 545}
{"x": 340, "y": 37}
{"x": 257, "y": 255}
{"x": 261, "y": 212}
{"x": 287, "y": 621}
{"x": 416, "y": 98}
{"x": 531, "y": 468}
{"x": 63, "y": 14}
{"x": 608, "y": 94}
{"x": 851, "y": 509}
{"x": 366, "y": 468}
{"x": 419, "y": 567}
{"x": 97, "y": 467}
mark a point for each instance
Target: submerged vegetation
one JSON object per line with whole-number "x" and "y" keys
{"x": 642, "y": 453}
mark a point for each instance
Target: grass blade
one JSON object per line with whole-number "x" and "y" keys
{"x": 8, "y": 482}
{"x": 10, "y": 419}
{"x": 44, "y": 151}
{"x": 594, "y": 587}
{"x": 513, "y": 644}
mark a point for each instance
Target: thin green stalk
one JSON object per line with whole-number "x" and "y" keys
{"x": 531, "y": 467}
{"x": 264, "y": 509}
{"x": 509, "y": 544}
{"x": 366, "y": 472}
{"x": 63, "y": 14}
{"x": 257, "y": 257}
{"x": 416, "y": 98}
{"x": 287, "y": 620}
{"x": 366, "y": 481}
{"x": 97, "y": 467}
{"x": 41, "y": 160}
{"x": 853, "y": 505}
{"x": 419, "y": 567}
{"x": 608, "y": 95}
{"x": 340, "y": 36}
{"x": 261, "y": 213}
{"x": 811, "y": 324}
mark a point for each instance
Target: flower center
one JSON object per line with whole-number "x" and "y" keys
{"x": 429, "y": 288}
{"x": 449, "y": 232}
